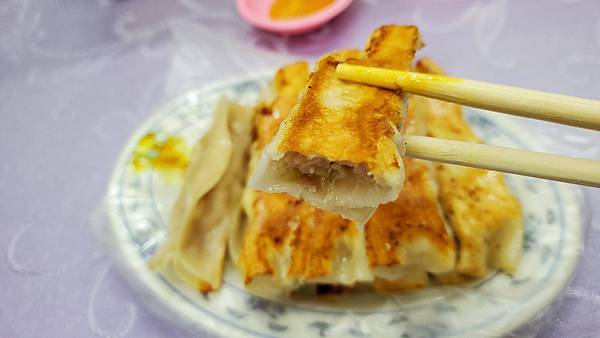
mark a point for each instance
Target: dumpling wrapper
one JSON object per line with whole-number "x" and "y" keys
{"x": 486, "y": 217}
{"x": 285, "y": 242}
{"x": 208, "y": 208}
{"x": 288, "y": 244}
{"x": 340, "y": 148}
{"x": 408, "y": 238}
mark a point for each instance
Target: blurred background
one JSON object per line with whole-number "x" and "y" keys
{"x": 78, "y": 77}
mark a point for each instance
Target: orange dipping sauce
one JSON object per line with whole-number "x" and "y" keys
{"x": 291, "y": 9}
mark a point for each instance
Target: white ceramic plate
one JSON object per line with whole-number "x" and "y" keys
{"x": 139, "y": 204}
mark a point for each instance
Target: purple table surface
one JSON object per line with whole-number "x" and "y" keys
{"x": 78, "y": 77}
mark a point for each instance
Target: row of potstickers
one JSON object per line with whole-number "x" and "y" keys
{"x": 358, "y": 212}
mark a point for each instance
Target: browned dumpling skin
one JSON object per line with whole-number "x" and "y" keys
{"x": 286, "y": 240}
{"x": 286, "y": 86}
{"x": 357, "y": 132}
{"x": 411, "y": 231}
{"x": 484, "y": 214}
{"x": 290, "y": 242}
{"x": 409, "y": 237}
{"x": 340, "y": 146}
{"x": 290, "y": 239}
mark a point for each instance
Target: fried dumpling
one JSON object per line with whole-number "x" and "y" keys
{"x": 411, "y": 231}
{"x": 208, "y": 207}
{"x": 408, "y": 238}
{"x": 448, "y": 221}
{"x": 286, "y": 242}
{"x": 485, "y": 216}
{"x": 340, "y": 148}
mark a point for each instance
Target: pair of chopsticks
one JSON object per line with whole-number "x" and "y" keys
{"x": 562, "y": 109}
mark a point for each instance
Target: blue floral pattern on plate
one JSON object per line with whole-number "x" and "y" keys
{"x": 139, "y": 205}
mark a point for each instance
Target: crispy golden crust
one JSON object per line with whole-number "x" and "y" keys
{"x": 269, "y": 216}
{"x": 280, "y": 225}
{"x": 277, "y": 221}
{"x": 480, "y": 207}
{"x": 484, "y": 214}
{"x": 349, "y": 122}
{"x": 362, "y": 126}
{"x": 398, "y": 55}
{"x": 393, "y": 233}
{"x": 313, "y": 247}
{"x": 280, "y": 221}
{"x": 414, "y": 216}
{"x": 288, "y": 237}
{"x": 267, "y": 231}
{"x": 287, "y": 83}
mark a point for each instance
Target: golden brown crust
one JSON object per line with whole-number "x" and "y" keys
{"x": 415, "y": 215}
{"x": 485, "y": 216}
{"x": 349, "y": 122}
{"x": 280, "y": 225}
{"x": 363, "y": 127}
{"x": 478, "y": 204}
{"x": 287, "y": 83}
{"x": 393, "y": 56}
{"x": 269, "y": 223}
{"x": 280, "y": 220}
{"x": 313, "y": 247}
{"x": 277, "y": 220}
{"x": 266, "y": 233}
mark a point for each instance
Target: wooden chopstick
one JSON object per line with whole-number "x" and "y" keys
{"x": 539, "y": 105}
{"x": 521, "y": 162}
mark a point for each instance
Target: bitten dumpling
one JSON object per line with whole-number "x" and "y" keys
{"x": 340, "y": 148}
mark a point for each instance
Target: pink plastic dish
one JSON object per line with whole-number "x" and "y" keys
{"x": 256, "y": 12}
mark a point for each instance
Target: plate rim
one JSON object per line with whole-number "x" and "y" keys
{"x": 134, "y": 267}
